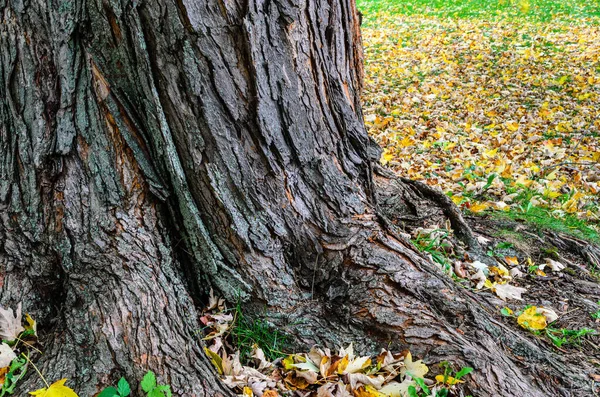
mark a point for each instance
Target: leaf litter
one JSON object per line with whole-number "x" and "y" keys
{"x": 489, "y": 110}
{"x": 321, "y": 372}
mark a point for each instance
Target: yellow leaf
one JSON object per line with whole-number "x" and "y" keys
{"x": 31, "y": 324}
{"x": 405, "y": 142}
{"x": 512, "y": 126}
{"x": 386, "y": 157}
{"x": 524, "y": 6}
{"x": 457, "y": 199}
{"x": 415, "y": 369}
{"x": 368, "y": 391}
{"x": 490, "y": 153}
{"x": 57, "y": 389}
{"x": 215, "y": 359}
{"x": 476, "y": 208}
{"x": 247, "y": 392}
{"x": 531, "y": 319}
{"x": 448, "y": 380}
{"x": 563, "y": 80}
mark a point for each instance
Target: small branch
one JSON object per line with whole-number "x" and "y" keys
{"x": 459, "y": 225}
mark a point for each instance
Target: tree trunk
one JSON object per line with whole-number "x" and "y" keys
{"x": 152, "y": 150}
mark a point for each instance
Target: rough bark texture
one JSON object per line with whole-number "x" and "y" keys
{"x": 150, "y": 150}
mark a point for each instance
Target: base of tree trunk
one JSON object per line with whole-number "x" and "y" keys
{"x": 153, "y": 150}
{"x": 373, "y": 290}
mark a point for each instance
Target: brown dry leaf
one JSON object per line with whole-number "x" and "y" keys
{"x": 361, "y": 379}
{"x": 507, "y": 291}
{"x": 259, "y": 356}
{"x": 215, "y": 302}
{"x": 3, "y": 372}
{"x": 554, "y": 265}
{"x": 511, "y": 260}
{"x": 10, "y": 324}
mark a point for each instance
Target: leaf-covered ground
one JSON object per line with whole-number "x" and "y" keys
{"x": 495, "y": 102}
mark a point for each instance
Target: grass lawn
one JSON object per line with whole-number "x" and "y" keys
{"x": 496, "y": 102}
{"x": 540, "y": 10}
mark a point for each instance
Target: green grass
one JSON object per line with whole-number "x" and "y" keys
{"x": 538, "y": 10}
{"x": 247, "y": 332}
{"x": 543, "y": 219}
{"x": 436, "y": 248}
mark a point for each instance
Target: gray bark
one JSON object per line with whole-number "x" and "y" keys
{"x": 151, "y": 150}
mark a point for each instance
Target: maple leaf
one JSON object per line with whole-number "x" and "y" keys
{"x": 10, "y": 325}
{"x": 57, "y": 389}
{"x": 416, "y": 369}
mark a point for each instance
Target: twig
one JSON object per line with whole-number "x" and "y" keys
{"x": 36, "y": 369}
{"x": 29, "y": 345}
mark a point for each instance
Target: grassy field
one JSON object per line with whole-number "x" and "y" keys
{"x": 496, "y": 102}
{"x": 539, "y": 11}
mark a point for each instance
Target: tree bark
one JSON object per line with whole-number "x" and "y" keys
{"x": 152, "y": 150}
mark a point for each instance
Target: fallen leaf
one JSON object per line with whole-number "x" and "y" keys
{"x": 516, "y": 273}
{"x": 415, "y": 369}
{"x": 482, "y": 240}
{"x": 550, "y": 314}
{"x": 507, "y": 291}
{"x": 396, "y": 389}
{"x": 10, "y": 325}
{"x": 479, "y": 207}
{"x": 448, "y": 380}
{"x": 480, "y": 278}
{"x": 355, "y": 365}
{"x": 511, "y": 260}
{"x": 247, "y": 392}
{"x": 554, "y": 265}
{"x": 6, "y": 355}
{"x": 3, "y": 372}
{"x": 531, "y": 319}
{"x": 367, "y": 391}
{"x": 363, "y": 379}
{"x": 57, "y": 389}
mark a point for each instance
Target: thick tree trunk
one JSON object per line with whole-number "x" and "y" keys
{"x": 151, "y": 150}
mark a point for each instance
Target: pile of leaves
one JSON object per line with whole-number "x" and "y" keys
{"x": 18, "y": 340}
{"x": 320, "y": 372}
{"x": 489, "y": 109}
